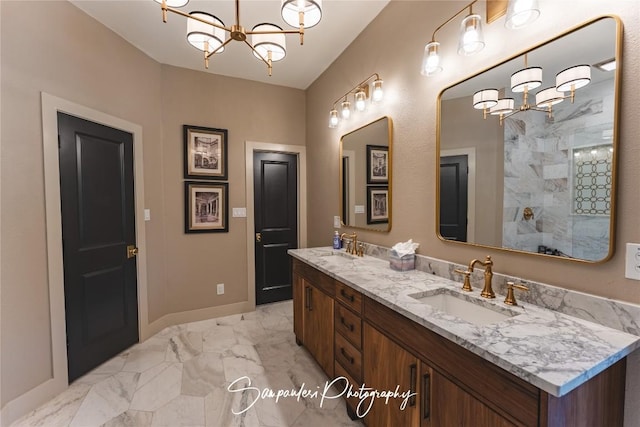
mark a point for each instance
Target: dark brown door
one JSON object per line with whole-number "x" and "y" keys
{"x": 98, "y": 224}
{"x": 276, "y": 223}
{"x": 453, "y": 197}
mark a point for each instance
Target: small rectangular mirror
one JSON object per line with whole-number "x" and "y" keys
{"x": 534, "y": 171}
{"x": 365, "y": 176}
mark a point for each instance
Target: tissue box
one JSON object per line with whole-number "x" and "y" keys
{"x": 407, "y": 262}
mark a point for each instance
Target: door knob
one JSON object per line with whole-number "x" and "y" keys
{"x": 258, "y": 237}
{"x": 132, "y": 251}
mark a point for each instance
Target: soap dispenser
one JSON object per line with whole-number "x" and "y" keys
{"x": 336, "y": 240}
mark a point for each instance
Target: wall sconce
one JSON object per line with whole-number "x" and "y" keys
{"x": 470, "y": 41}
{"x": 360, "y": 95}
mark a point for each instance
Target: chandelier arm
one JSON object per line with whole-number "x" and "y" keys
{"x": 195, "y": 18}
{"x": 433, "y": 37}
{"x": 226, "y": 42}
{"x": 274, "y": 32}
{"x": 257, "y": 53}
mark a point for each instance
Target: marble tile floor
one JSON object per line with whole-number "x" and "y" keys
{"x": 182, "y": 376}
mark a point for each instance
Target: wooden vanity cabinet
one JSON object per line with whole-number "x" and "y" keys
{"x": 313, "y": 313}
{"x": 356, "y": 337}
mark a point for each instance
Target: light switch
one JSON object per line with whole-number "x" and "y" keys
{"x": 632, "y": 265}
{"x": 359, "y": 209}
{"x": 336, "y": 221}
{"x": 147, "y": 214}
{"x": 239, "y": 212}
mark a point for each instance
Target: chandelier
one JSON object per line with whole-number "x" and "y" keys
{"x": 522, "y": 81}
{"x": 207, "y": 33}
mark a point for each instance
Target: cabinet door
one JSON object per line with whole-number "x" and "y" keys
{"x": 388, "y": 366}
{"x": 452, "y": 406}
{"x": 318, "y": 326}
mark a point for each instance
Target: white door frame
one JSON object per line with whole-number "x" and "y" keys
{"x": 301, "y": 152}
{"x": 51, "y": 105}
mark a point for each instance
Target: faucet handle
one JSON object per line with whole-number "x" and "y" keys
{"x": 466, "y": 285}
{"x": 360, "y": 249}
{"x": 511, "y": 298}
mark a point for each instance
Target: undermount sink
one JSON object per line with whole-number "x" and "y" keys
{"x": 455, "y": 304}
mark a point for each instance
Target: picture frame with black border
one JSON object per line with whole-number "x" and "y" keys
{"x": 206, "y": 207}
{"x": 377, "y": 164}
{"x": 377, "y": 204}
{"x": 205, "y": 153}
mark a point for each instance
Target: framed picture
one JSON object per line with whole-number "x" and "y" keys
{"x": 205, "y": 153}
{"x": 377, "y": 205}
{"x": 206, "y": 207}
{"x": 377, "y": 164}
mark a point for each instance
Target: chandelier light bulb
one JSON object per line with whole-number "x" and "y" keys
{"x": 346, "y": 109}
{"x": 378, "y": 93}
{"x": 431, "y": 59}
{"x": 311, "y": 12}
{"x": 333, "y": 118}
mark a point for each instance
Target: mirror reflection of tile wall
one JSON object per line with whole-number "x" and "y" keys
{"x": 540, "y": 173}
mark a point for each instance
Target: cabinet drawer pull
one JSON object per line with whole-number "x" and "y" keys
{"x": 308, "y": 292}
{"x": 426, "y": 396}
{"x": 413, "y": 372}
{"x": 346, "y": 355}
{"x": 345, "y": 324}
{"x": 347, "y": 296}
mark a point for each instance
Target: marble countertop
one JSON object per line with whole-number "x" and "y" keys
{"x": 553, "y": 351}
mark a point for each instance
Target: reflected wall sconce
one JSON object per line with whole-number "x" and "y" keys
{"x": 360, "y": 94}
{"x": 267, "y": 41}
{"x": 470, "y": 41}
{"x": 526, "y": 79}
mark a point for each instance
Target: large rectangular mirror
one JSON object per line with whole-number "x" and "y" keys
{"x": 534, "y": 170}
{"x": 365, "y": 176}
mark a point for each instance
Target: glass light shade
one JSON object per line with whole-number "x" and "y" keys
{"x": 431, "y": 60}
{"x": 378, "y": 93}
{"x": 471, "y": 39}
{"x": 527, "y": 78}
{"x": 174, "y": 3}
{"x": 521, "y": 13}
{"x": 503, "y": 106}
{"x": 360, "y": 100}
{"x": 346, "y": 109}
{"x": 265, "y": 43}
{"x": 485, "y": 98}
{"x": 312, "y": 10}
{"x": 549, "y": 96}
{"x": 333, "y": 118}
{"x": 199, "y": 33}
{"x": 573, "y": 78}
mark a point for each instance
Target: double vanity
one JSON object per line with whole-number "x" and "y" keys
{"x": 451, "y": 357}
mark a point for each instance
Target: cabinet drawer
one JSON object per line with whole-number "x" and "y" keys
{"x": 349, "y": 357}
{"x": 353, "y": 401}
{"x": 349, "y": 297}
{"x": 349, "y": 325}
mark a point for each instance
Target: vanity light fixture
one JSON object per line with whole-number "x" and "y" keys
{"x": 470, "y": 41}
{"x": 608, "y": 65}
{"x": 207, "y": 33}
{"x": 360, "y": 95}
{"x": 526, "y": 79}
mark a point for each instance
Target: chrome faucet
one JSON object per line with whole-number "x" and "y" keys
{"x": 352, "y": 245}
{"x": 487, "y": 291}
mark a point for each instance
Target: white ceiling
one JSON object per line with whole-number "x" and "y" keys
{"x": 140, "y": 22}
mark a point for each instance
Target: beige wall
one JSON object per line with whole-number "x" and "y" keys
{"x": 411, "y": 103}
{"x": 54, "y": 47}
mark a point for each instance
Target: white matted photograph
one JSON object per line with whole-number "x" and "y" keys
{"x": 205, "y": 152}
{"x": 377, "y": 205}
{"x": 206, "y": 207}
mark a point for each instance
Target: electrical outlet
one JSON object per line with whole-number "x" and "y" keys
{"x": 220, "y": 288}
{"x": 147, "y": 214}
{"x": 336, "y": 221}
{"x": 632, "y": 266}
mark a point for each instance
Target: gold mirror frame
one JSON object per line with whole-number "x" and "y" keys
{"x": 360, "y": 185}
{"x": 614, "y": 142}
